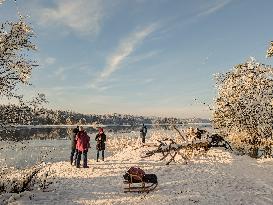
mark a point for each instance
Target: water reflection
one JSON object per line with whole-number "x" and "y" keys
{"x": 64, "y": 132}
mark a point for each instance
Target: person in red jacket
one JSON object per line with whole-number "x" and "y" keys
{"x": 83, "y": 143}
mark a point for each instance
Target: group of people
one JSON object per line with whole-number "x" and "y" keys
{"x": 80, "y": 143}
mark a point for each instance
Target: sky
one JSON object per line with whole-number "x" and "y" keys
{"x": 141, "y": 57}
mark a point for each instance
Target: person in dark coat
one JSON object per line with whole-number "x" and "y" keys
{"x": 100, "y": 138}
{"x": 143, "y": 132}
{"x": 73, "y": 146}
{"x": 83, "y": 143}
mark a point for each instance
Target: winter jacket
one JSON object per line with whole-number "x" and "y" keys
{"x": 73, "y": 138}
{"x": 100, "y": 138}
{"x": 82, "y": 141}
{"x": 143, "y": 130}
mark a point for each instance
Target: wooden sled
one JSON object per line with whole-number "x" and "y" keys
{"x": 139, "y": 184}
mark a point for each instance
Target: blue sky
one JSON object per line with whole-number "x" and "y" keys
{"x": 144, "y": 57}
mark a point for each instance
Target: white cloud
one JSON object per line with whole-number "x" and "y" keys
{"x": 125, "y": 48}
{"x": 215, "y": 7}
{"x": 50, "y": 61}
{"x": 143, "y": 56}
{"x": 81, "y": 16}
{"x": 60, "y": 73}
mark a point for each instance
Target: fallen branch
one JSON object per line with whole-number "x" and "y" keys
{"x": 169, "y": 148}
{"x": 183, "y": 138}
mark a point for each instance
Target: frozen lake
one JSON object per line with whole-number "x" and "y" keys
{"x": 25, "y": 146}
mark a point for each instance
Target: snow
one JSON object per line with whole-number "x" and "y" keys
{"x": 219, "y": 177}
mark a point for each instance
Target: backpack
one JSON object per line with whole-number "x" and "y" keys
{"x": 150, "y": 178}
{"x": 136, "y": 173}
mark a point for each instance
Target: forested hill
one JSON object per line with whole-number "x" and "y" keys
{"x": 12, "y": 114}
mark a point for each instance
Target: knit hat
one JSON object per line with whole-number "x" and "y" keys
{"x": 100, "y": 129}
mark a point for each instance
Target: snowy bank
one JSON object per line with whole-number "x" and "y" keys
{"x": 217, "y": 178}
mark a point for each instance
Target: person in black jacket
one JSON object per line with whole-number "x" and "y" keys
{"x": 143, "y": 132}
{"x": 73, "y": 146}
{"x": 100, "y": 138}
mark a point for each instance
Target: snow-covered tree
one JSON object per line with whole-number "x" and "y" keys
{"x": 70, "y": 120}
{"x": 82, "y": 121}
{"x": 243, "y": 109}
{"x": 15, "y": 67}
{"x": 270, "y": 50}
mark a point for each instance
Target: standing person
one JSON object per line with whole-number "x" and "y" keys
{"x": 83, "y": 143}
{"x": 143, "y": 132}
{"x": 100, "y": 138}
{"x": 73, "y": 146}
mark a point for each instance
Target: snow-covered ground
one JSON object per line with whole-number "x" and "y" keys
{"x": 219, "y": 177}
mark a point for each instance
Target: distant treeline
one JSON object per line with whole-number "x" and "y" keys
{"x": 12, "y": 114}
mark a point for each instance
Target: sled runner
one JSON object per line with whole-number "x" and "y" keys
{"x": 138, "y": 181}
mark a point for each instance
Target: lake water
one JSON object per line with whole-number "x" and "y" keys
{"x": 21, "y": 147}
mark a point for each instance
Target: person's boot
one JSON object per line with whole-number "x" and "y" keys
{"x": 102, "y": 155}
{"x": 85, "y": 166}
